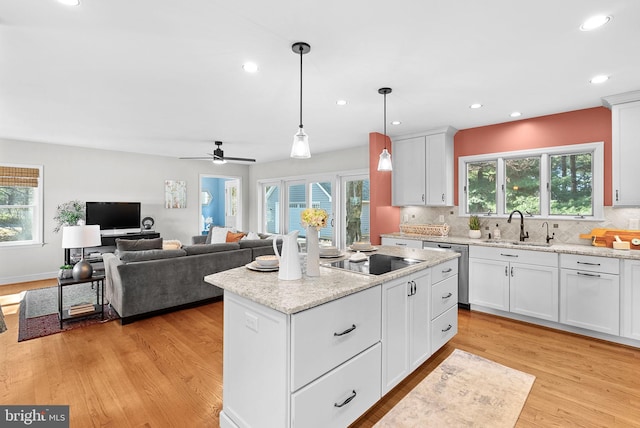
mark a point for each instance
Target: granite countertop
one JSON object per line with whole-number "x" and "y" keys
{"x": 290, "y": 297}
{"x": 585, "y": 250}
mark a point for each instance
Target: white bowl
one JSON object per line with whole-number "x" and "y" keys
{"x": 267, "y": 261}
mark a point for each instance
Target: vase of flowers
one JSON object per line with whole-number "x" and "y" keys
{"x": 313, "y": 219}
{"x": 69, "y": 214}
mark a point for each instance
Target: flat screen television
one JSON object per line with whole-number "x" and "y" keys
{"x": 114, "y": 216}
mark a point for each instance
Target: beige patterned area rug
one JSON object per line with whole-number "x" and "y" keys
{"x": 465, "y": 390}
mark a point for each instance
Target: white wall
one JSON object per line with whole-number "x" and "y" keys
{"x": 100, "y": 175}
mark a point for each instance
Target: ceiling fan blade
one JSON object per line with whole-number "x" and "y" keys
{"x": 239, "y": 159}
{"x": 199, "y": 157}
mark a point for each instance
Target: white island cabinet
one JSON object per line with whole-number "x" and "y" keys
{"x": 630, "y": 299}
{"x": 309, "y": 353}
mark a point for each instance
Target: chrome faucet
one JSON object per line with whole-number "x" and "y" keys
{"x": 523, "y": 235}
{"x": 553, "y": 234}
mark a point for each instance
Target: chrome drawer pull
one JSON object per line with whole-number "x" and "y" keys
{"x": 447, "y": 271}
{"x": 447, "y": 296}
{"x": 508, "y": 255}
{"x": 587, "y": 263}
{"x": 447, "y": 329}
{"x": 444, "y": 246}
{"x": 349, "y": 330}
{"x": 347, "y": 401}
{"x": 401, "y": 244}
{"x": 589, "y": 274}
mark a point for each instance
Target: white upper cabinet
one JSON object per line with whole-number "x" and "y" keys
{"x": 626, "y": 148}
{"x": 423, "y": 169}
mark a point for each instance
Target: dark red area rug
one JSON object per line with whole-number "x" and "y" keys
{"x": 32, "y": 328}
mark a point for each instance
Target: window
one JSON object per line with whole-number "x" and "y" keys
{"x": 345, "y": 193}
{"x": 20, "y": 204}
{"x": 565, "y": 181}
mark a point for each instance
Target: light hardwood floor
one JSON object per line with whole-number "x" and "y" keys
{"x": 167, "y": 371}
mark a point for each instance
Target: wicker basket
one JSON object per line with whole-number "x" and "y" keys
{"x": 425, "y": 229}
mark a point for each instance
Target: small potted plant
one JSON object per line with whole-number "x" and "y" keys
{"x": 65, "y": 272}
{"x": 474, "y": 227}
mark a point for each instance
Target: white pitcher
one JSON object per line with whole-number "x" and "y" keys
{"x": 289, "y": 260}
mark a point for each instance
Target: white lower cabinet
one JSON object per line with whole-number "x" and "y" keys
{"x": 341, "y": 396}
{"x": 590, "y": 293}
{"x": 405, "y": 326}
{"x": 519, "y": 281}
{"x": 630, "y": 300}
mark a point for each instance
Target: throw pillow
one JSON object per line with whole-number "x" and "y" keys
{"x": 234, "y": 237}
{"x": 251, "y": 235}
{"x": 138, "y": 244}
{"x": 218, "y": 235}
{"x": 172, "y": 244}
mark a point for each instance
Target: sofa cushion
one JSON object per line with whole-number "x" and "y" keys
{"x": 144, "y": 255}
{"x": 138, "y": 244}
{"x": 252, "y": 243}
{"x": 234, "y": 237}
{"x": 210, "y": 248}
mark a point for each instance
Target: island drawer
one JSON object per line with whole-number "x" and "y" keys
{"x": 443, "y": 328}
{"x": 444, "y": 270}
{"x": 341, "y": 396}
{"x": 324, "y": 337}
{"x": 444, "y": 295}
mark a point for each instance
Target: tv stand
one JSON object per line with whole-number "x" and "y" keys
{"x": 109, "y": 246}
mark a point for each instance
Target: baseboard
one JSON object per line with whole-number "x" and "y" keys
{"x": 27, "y": 278}
{"x": 133, "y": 318}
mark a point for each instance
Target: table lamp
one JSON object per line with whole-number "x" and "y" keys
{"x": 81, "y": 237}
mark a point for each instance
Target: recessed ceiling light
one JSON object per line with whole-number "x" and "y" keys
{"x": 595, "y": 22}
{"x": 599, "y": 79}
{"x": 476, "y": 105}
{"x": 341, "y": 102}
{"x": 396, "y": 122}
{"x": 516, "y": 114}
{"x": 69, "y": 2}
{"x": 250, "y": 67}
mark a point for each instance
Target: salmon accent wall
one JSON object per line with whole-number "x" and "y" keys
{"x": 384, "y": 218}
{"x": 575, "y": 127}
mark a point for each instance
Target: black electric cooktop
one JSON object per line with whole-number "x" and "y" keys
{"x": 376, "y": 264}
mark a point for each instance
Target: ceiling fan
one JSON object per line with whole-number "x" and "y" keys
{"x": 218, "y": 156}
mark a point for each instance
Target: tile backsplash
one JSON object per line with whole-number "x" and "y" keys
{"x": 566, "y": 231}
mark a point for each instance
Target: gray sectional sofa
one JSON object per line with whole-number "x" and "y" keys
{"x": 143, "y": 280}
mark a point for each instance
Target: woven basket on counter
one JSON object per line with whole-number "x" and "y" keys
{"x": 426, "y": 229}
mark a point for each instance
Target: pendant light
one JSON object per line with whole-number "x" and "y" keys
{"x": 384, "y": 163}
{"x": 300, "y": 147}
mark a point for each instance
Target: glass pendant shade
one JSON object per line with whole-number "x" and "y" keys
{"x": 384, "y": 163}
{"x": 300, "y": 147}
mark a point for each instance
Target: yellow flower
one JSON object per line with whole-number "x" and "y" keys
{"x": 314, "y": 217}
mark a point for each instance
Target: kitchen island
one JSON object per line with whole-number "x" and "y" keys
{"x": 320, "y": 351}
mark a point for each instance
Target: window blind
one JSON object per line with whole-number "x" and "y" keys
{"x": 19, "y": 177}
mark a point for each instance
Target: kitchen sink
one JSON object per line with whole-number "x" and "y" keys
{"x": 519, "y": 243}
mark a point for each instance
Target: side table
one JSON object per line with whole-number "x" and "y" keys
{"x": 96, "y": 280}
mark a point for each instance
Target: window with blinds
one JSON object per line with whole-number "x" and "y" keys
{"x": 20, "y": 204}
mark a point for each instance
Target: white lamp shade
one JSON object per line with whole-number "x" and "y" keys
{"x": 384, "y": 163}
{"x": 81, "y": 236}
{"x": 300, "y": 147}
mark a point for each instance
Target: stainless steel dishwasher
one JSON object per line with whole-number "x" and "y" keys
{"x": 463, "y": 268}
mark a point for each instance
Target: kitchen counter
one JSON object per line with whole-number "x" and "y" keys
{"x": 559, "y": 248}
{"x": 290, "y": 297}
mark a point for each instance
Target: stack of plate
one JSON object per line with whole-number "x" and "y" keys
{"x": 362, "y": 246}
{"x": 329, "y": 251}
{"x": 264, "y": 264}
